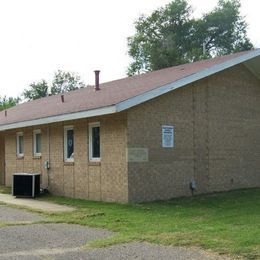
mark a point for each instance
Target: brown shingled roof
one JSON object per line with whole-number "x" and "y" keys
{"x": 110, "y": 93}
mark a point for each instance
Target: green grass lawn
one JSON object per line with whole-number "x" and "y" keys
{"x": 5, "y": 190}
{"x": 227, "y": 223}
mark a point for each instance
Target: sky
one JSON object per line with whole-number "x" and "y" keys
{"x": 38, "y": 37}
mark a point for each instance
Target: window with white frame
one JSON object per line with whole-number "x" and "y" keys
{"x": 19, "y": 144}
{"x": 68, "y": 144}
{"x": 94, "y": 141}
{"x": 37, "y": 146}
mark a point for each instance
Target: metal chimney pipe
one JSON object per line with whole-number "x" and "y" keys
{"x": 97, "y": 79}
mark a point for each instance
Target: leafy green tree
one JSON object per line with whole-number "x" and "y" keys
{"x": 36, "y": 90}
{"x": 170, "y": 36}
{"x": 223, "y": 30}
{"x": 6, "y": 103}
{"x": 65, "y": 81}
{"x": 62, "y": 82}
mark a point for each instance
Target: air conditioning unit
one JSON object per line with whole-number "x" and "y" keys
{"x": 26, "y": 184}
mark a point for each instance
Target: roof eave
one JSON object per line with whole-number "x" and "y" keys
{"x": 60, "y": 118}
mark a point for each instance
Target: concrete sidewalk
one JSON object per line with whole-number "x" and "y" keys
{"x": 34, "y": 204}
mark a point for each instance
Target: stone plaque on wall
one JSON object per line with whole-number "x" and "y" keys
{"x": 137, "y": 154}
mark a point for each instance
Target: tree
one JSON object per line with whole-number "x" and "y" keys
{"x": 65, "y": 81}
{"x": 6, "y": 103}
{"x": 36, "y": 90}
{"x": 62, "y": 82}
{"x": 223, "y": 30}
{"x": 170, "y": 36}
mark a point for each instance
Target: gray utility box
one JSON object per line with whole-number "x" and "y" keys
{"x": 26, "y": 184}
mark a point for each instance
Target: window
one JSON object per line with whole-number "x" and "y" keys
{"x": 19, "y": 144}
{"x": 68, "y": 144}
{"x": 94, "y": 141}
{"x": 37, "y": 149}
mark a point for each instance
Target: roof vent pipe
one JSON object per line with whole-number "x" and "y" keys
{"x": 5, "y": 112}
{"x": 62, "y": 98}
{"x": 97, "y": 79}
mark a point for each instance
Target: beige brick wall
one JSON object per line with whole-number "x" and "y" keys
{"x": 2, "y": 158}
{"x": 234, "y": 130}
{"x": 217, "y": 143}
{"x": 105, "y": 181}
{"x": 168, "y": 171}
{"x": 28, "y": 163}
{"x": 217, "y": 138}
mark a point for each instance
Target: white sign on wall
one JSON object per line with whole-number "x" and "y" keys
{"x": 167, "y": 136}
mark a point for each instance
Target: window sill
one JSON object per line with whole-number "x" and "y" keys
{"x": 20, "y": 157}
{"x": 37, "y": 157}
{"x": 68, "y": 163}
{"x": 94, "y": 163}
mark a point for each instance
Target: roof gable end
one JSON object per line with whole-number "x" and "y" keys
{"x": 187, "y": 80}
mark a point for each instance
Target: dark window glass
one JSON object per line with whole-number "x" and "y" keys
{"x": 38, "y": 143}
{"x": 20, "y": 147}
{"x": 70, "y": 144}
{"x": 95, "y": 142}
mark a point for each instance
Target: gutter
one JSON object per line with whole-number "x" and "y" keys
{"x": 60, "y": 118}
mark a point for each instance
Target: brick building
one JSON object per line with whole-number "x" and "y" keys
{"x": 147, "y": 137}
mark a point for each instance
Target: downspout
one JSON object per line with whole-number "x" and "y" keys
{"x": 4, "y": 179}
{"x": 193, "y": 183}
{"x": 48, "y": 158}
